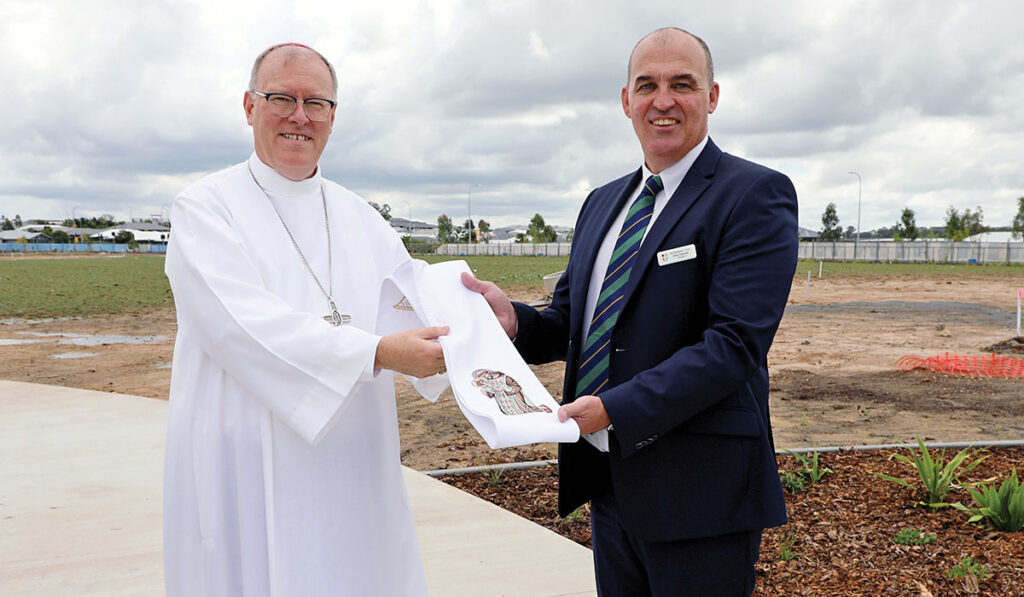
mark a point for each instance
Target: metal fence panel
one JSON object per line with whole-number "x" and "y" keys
{"x": 79, "y": 248}
{"x": 934, "y": 251}
{"x": 534, "y": 249}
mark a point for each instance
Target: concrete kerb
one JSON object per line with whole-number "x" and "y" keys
{"x": 511, "y": 466}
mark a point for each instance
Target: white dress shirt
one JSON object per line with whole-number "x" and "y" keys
{"x": 671, "y": 178}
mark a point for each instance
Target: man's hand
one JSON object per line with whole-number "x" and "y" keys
{"x": 498, "y": 302}
{"x": 588, "y": 412}
{"x": 412, "y": 352}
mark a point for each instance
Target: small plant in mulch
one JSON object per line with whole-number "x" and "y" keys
{"x": 786, "y": 544}
{"x": 791, "y": 482}
{"x": 494, "y": 476}
{"x": 969, "y": 573}
{"x": 914, "y": 537}
{"x": 1002, "y": 508}
{"x": 937, "y": 476}
{"x": 577, "y": 515}
{"x": 810, "y": 471}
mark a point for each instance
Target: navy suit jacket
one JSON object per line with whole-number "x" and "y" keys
{"x": 691, "y": 453}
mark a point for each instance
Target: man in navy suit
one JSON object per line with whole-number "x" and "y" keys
{"x": 678, "y": 277}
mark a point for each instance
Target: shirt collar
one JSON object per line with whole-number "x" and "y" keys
{"x": 672, "y": 176}
{"x": 269, "y": 179}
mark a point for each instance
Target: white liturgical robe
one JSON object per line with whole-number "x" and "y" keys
{"x": 282, "y": 471}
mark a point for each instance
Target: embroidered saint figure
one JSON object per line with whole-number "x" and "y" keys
{"x": 506, "y": 391}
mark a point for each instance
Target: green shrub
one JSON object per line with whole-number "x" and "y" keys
{"x": 1002, "y": 509}
{"x": 937, "y": 476}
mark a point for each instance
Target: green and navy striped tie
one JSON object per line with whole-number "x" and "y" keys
{"x": 593, "y": 370}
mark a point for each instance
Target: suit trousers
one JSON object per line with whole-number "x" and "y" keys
{"x": 626, "y": 566}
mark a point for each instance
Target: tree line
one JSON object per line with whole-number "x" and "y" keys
{"x": 958, "y": 225}
{"x": 480, "y": 232}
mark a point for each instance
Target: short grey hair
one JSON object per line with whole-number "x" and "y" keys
{"x": 662, "y": 33}
{"x": 292, "y": 48}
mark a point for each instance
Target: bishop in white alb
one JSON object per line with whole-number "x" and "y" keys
{"x": 282, "y": 467}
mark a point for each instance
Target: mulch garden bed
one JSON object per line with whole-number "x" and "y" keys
{"x": 839, "y": 540}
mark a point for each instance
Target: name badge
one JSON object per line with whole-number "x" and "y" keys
{"x": 676, "y": 255}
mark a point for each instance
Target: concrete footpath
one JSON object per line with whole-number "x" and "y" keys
{"x": 80, "y": 502}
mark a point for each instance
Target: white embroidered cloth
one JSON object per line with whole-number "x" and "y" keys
{"x": 495, "y": 389}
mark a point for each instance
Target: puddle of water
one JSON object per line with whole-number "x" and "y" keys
{"x": 16, "y": 341}
{"x": 98, "y": 340}
{"x": 73, "y": 355}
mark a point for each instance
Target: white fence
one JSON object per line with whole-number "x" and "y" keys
{"x": 936, "y": 251}
{"x": 539, "y": 249}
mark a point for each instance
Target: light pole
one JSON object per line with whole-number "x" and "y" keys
{"x": 469, "y": 212}
{"x": 856, "y": 241}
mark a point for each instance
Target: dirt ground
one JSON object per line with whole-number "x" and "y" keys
{"x": 833, "y": 364}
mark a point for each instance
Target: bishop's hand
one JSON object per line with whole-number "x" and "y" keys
{"x": 412, "y": 352}
{"x": 498, "y": 302}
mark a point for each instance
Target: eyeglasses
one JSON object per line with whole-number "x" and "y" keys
{"x": 283, "y": 105}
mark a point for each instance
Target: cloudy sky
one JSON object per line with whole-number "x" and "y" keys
{"x": 113, "y": 107}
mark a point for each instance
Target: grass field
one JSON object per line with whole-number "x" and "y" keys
{"x": 82, "y": 286}
{"x": 507, "y": 271}
{"x": 32, "y": 288}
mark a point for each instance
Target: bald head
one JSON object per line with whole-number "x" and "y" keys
{"x": 287, "y": 52}
{"x": 666, "y": 35}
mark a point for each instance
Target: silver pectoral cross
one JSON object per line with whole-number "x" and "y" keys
{"x": 336, "y": 318}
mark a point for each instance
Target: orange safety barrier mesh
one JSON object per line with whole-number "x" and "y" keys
{"x": 990, "y": 366}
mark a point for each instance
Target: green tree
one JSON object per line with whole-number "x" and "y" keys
{"x": 444, "y": 229}
{"x": 485, "y": 230}
{"x": 972, "y": 222}
{"x": 465, "y": 233}
{"x": 59, "y": 236}
{"x": 906, "y": 228}
{"x": 962, "y": 225}
{"x": 1018, "y": 220}
{"x": 384, "y": 210}
{"x": 830, "y": 230}
{"x": 6, "y": 224}
{"x": 953, "y": 225}
{"x": 124, "y": 237}
{"x": 17, "y": 221}
{"x": 539, "y": 232}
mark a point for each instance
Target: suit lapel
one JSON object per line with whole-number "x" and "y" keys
{"x": 697, "y": 179}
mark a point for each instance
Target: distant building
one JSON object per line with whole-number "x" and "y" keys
{"x": 996, "y": 236}
{"x": 30, "y": 236}
{"x": 414, "y": 229}
{"x": 149, "y": 233}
